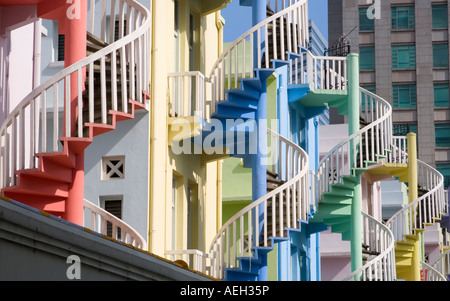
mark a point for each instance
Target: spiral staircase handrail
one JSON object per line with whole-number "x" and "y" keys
{"x": 253, "y": 240}
{"x": 218, "y": 69}
{"x": 442, "y": 263}
{"x": 382, "y": 267}
{"x": 19, "y": 128}
{"x": 99, "y": 220}
{"x": 82, "y": 64}
{"x": 404, "y": 222}
{"x": 430, "y": 273}
{"x": 327, "y": 163}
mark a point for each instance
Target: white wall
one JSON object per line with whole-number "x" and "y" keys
{"x": 129, "y": 139}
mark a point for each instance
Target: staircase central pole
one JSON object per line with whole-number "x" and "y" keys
{"x": 75, "y": 21}
{"x": 412, "y": 196}
{"x": 353, "y": 127}
{"x": 259, "y": 169}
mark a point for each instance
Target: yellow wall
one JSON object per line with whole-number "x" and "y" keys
{"x": 164, "y": 164}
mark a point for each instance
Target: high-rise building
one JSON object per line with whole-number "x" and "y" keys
{"x": 404, "y": 58}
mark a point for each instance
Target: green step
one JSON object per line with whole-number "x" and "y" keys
{"x": 336, "y": 220}
{"x": 340, "y": 228}
{"x": 335, "y": 210}
{"x": 370, "y": 163}
{"x": 349, "y": 178}
{"x": 336, "y": 198}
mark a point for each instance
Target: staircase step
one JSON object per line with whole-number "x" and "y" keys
{"x": 349, "y": 179}
{"x": 336, "y": 210}
{"x": 235, "y": 274}
{"x": 403, "y": 262}
{"x": 336, "y": 220}
{"x": 340, "y": 228}
{"x": 405, "y": 247}
{"x": 28, "y": 184}
{"x": 243, "y": 98}
{"x": 333, "y": 198}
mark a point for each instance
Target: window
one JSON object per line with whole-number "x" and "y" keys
{"x": 440, "y": 55}
{"x": 444, "y": 169}
{"x": 61, "y": 49}
{"x": 370, "y": 88}
{"x": 113, "y": 168}
{"x": 441, "y": 96}
{"x": 404, "y": 129}
{"x": 365, "y": 24}
{"x": 403, "y": 17}
{"x": 117, "y": 32}
{"x": 403, "y": 57}
{"x": 367, "y": 58}
{"x": 113, "y": 205}
{"x": 404, "y": 96}
{"x": 440, "y": 18}
{"x": 442, "y": 131}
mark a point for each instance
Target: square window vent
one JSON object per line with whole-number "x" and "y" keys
{"x": 113, "y": 168}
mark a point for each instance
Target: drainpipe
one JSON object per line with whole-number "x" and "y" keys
{"x": 353, "y": 127}
{"x": 158, "y": 130}
{"x": 37, "y": 53}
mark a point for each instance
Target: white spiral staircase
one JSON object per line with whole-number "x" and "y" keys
{"x": 112, "y": 82}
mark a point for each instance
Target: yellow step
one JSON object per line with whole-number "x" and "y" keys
{"x": 403, "y": 261}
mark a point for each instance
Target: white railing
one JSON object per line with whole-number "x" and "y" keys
{"x": 367, "y": 143}
{"x": 25, "y": 131}
{"x": 120, "y": 231}
{"x": 399, "y": 153}
{"x": 233, "y": 64}
{"x": 426, "y": 209}
{"x": 442, "y": 263}
{"x": 195, "y": 260}
{"x": 255, "y": 224}
{"x": 187, "y": 94}
{"x": 320, "y": 72}
{"x": 429, "y": 273}
{"x": 379, "y": 239}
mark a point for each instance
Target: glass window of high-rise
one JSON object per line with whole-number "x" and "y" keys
{"x": 441, "y": 96}
{"x": 404, "y": 129}
{"x": 444, "y": 169}
{"x": 365, "y": 24}
{"x": 367, "y": 57}
{"x": 440, "y": 16}
{"x": 442, "y": 134}
{"x": 404, "y": 96}
{"x": 403, "y": 17}
{"x": 440, "y": 55}
{"x": 404, "y": 57}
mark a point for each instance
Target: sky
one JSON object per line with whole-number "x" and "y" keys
{"x": 238, "y": 18}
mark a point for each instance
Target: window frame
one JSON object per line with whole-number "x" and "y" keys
{"x": 436, "y": 45}
{"x": 361, "y": 67}
{"x": 412, "y": 95}
{"x": 395, "y": 54}
{"x": 434, "y": 16}
{"x": 440, "y": 104}
{"x": 370, "y": 23}
{"x": 411, "y": 19}
{"x": 442, "y": 126}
